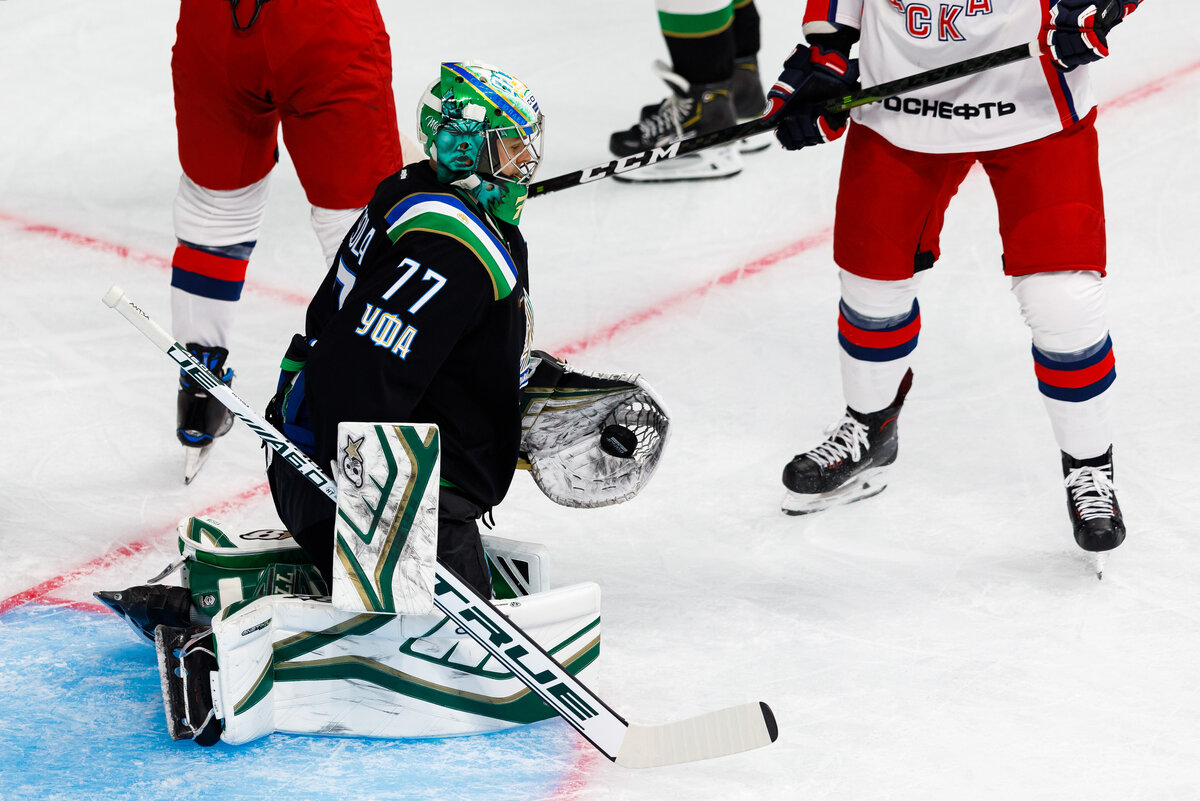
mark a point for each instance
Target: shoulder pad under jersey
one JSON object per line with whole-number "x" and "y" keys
{"x": 447, "y": 215}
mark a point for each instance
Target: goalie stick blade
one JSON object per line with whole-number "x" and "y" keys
{"x": 720, "y": 733}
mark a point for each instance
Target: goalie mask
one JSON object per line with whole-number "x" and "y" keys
{"x": 483, "y": 128}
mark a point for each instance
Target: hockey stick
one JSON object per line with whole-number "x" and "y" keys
{"x": 871, "y": 94}
{"x": 631, "y": 745}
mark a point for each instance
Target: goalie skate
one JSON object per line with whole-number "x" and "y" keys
{"x": 186, "y": 661}
{"x": 147, "y": 606}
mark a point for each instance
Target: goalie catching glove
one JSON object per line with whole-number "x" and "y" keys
{"x": 590, "y": 439}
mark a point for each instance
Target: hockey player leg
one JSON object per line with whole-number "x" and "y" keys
{"x": 878, "y": 331}
{"x": 749, "y": 100}
{"x": 1075, "y": 368}
{"x": 331, "y": 227}
{"x": 217, "y": 231}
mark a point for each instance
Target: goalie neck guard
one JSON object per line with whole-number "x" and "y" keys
{"x": 483, "y": 129}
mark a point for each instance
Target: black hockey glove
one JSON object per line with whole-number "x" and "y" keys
{"x": 1077, "y": 31}
{"x": 812, "y": 76}
{"x": 287, "y": 410}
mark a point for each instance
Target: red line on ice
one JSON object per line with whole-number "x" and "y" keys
{"x": 133, "y": 254}
{"x": 42, "y": 592}
{"x": 748, "y": 270}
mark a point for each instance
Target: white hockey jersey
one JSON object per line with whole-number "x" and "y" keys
{"x": 997, "y": 108}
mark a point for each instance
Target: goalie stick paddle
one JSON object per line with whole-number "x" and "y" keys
{"x": 871, "y": 94}
{"x": 631, "y": 745}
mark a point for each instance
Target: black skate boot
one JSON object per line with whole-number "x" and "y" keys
{"x": 1092, "y": 502}
{"x": 689, "y": 111}
{"x": 186, "y": 657}
{"x": 749, "y": 102}
{"x": 201, "y": 418}
{"x": 149, "y": 605}
{"x": 849, "y": 465}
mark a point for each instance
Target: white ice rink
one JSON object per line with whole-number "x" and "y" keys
{"x": 945, "y": 640}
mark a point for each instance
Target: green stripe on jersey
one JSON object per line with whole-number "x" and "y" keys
{"x": 445, "y": 219}
{"x": 695, "y": 26}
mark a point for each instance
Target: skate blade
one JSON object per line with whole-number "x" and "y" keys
{"x": 113, "y": 601}
{"x": 718, "y": 162}
{"x": 866, "y": 485}
{"x": 193, "y": 460}
{"x": 172, "y": 686}
{"x": 754, "y": 144}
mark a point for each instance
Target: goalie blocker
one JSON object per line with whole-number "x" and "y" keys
{"x": 590, "y": 439}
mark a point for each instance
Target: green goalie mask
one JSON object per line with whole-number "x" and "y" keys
{"x": 483, "y": 128}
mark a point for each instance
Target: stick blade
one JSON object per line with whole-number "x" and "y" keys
{"x": 715, "y": 734}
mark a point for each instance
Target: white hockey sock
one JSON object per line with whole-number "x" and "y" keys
{"x": 877, "y": 328}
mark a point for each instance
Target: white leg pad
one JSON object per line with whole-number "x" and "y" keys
{"x": 299, "y": 665}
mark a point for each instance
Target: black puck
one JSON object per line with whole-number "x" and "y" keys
{"x": 618, "y": 441}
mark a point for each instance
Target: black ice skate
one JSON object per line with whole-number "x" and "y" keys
{"x": 1092, "y": 502}
{"x": 749, "y": 102}
{"x": 148, "y": 606}
{"x": 186, "y": 657}
{"x": 688, "y": 111}
{"x": 200, "y": 417}
{"x": 850, "y": 464}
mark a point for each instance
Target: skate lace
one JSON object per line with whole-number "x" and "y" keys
{"x": 846, "y": 438}
{"x": 666, "y": 121}
{"x": 190, "y": 647}
{"x": 1091, "y": 491}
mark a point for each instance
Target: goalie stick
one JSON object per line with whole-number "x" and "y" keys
{"x": 631, "y": 745}
{"x": 871, "y": 94}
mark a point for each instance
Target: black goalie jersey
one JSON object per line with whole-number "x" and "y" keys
{"x": 423, "y": 318}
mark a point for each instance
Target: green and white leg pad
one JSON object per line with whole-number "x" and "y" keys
{"x": 385, "y": 535}
{"x": 299, "y": 665}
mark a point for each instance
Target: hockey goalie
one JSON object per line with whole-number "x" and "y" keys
{"x": 424, "y": 318}
{"x": 256, "y": 640}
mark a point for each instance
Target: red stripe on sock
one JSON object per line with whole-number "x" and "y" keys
{"x": 878, "y": 339}
{"x": 210, "y": 265}
{"x": 1074, "y": 379}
